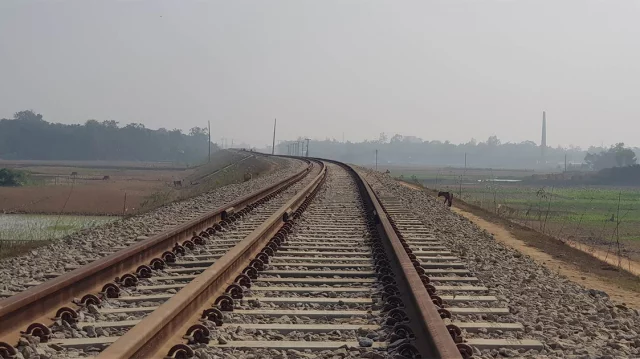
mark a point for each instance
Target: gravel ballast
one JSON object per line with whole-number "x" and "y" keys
{"x": 21, "y": 272}
{"x": 572, "y": 321}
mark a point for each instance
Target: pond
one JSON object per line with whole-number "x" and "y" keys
{"x": 40, "y": 227}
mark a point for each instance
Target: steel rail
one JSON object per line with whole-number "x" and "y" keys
{"x": 433, "y": 340}
{"x": 154, "y": 336}
{"x": 39, "y": 303}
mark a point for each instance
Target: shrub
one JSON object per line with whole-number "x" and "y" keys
{"x": 12, "y": 178}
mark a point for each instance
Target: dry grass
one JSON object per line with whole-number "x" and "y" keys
{"x": 85, "y": 193}
{"x": 54, "y": 190}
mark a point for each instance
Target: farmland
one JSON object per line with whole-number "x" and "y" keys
{"x": 58, "y": 198}
{"x": 21, "y": 227}
{"x": 117, "y": 188}
{"x": 600, "y": 216}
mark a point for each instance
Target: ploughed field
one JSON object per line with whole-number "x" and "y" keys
{"x": 120, "y": 188}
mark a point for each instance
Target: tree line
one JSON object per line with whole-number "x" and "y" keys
{"x": 411, "y": 150}
{"x": 28, "y": 136}
{"x": 616, "y": 156}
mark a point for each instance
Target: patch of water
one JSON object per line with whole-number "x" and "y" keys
{"x": 42, "y": 227}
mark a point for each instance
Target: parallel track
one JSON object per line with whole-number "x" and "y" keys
{"x": 34, "y": 311}
{"x": 319, "y": 263}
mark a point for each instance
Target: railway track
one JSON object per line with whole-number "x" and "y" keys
{"x": 474, "y": 315}
{"x": 314, "y": 264}
{"x": 36, "y": 311}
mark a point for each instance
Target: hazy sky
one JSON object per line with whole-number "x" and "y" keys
{"x": 447, "y": 70}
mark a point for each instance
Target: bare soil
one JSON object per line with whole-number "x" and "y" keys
{"x": 575, "y": 264}
{"x": 145, "y": 186}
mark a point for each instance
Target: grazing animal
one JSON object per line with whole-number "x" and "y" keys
{"x": 106, "y": 178}
{"x": 177, "y": 183}
{"x": 448, "y": 197}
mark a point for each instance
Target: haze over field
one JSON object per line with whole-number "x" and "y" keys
{"x": 446, "y": 70}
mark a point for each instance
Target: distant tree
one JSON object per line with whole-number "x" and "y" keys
{"x": 616, "y": 156}
{"x": 491, "y": 153}
{"x": 110, "y": 124}
{"x": 12, "y": 178}
{"x": 27, "y": 115}
{"x": 28, "y": 136}
{"x": 493, "y": 141}
{"x": 198, "y": 131}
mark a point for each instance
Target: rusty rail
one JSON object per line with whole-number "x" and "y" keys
{"x": 155, "y": 335}
{"x": 39, "y": 304}
{"x": 433, "y": 339}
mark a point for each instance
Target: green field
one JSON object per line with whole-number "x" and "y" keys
{"x": 595, "y": 215}
{"x": 20, "y": 227}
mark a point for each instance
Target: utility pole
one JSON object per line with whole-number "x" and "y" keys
{"x": 209, "y": 131}
{"x": 307, "y": 146}
{"x": 273, "y": 145}
{"x": 376, "y": 160}
{"x": 465, "y": 163}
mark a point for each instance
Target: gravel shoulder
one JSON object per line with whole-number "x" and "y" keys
{"x": 21, "y": 272}
{"x": 576, "y": 266}
{"x": 563, "y": 267}
{"x": 572, "y": 320}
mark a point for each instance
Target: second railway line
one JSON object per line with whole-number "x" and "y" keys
{"x": 325, "y": 264}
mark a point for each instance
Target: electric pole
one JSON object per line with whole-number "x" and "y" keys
{"x": 209, "y": 131}
{"x": 464, "y": 174}
{"x": 307, "y": 146}
{"x": 273, "y": 144}
{"x": 376, "y": 160}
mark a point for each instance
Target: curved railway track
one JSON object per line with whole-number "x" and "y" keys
{"x": 35, "y": 310}
{"x": 474, "y": 316}
{"x": 316, "y": 263}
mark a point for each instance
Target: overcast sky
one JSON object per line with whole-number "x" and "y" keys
{"x": 446, "y": 70}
